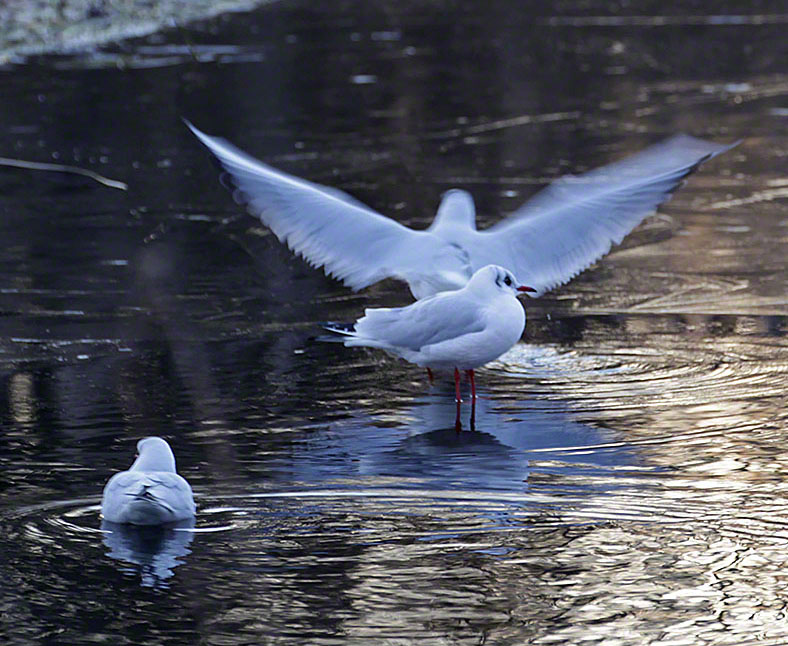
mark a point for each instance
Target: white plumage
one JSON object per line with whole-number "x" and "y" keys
{"x": 551, "y": 238}
{"x": 150, "y": 492}
{"x": 461, "y": 329}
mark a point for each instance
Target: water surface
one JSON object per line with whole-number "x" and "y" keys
{"x": 624, "y": 481}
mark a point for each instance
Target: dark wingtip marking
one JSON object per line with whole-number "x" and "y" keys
{"x": 333, "y": 326}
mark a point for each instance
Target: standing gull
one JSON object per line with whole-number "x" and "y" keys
{"x": 461, "y": 329}
{"x": 548, "y": 240}
{"x": 150, "y": 492}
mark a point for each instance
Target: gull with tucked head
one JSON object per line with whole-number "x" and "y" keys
{"x": 150, "y": 492}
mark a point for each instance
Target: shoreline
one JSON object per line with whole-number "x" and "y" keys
{"x": 36, "y": 27}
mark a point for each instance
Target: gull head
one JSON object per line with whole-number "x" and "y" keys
{"x": 493, "y": 279}
{"x": 153, "y": 454}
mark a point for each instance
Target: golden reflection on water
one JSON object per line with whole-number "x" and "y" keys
{"x": 20, "y": 398}
{"x": 704, "y": 399}
{"x": 706, "y": 570}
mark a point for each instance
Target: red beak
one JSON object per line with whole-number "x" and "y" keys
{"x": 525, "y": 288}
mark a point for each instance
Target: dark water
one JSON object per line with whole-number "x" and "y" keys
{"x": 626, "y": 479}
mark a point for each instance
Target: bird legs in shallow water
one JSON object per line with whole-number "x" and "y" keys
{"x": 457, "y": 423}
{"x": 458, "y": 398}
{"x": 457, "y": 385}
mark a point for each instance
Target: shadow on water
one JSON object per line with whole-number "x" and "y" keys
{"x": 625, "y": 479}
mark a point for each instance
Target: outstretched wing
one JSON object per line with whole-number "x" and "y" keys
{"x": 573, "y": 222}
{"x": 326, "y": 226}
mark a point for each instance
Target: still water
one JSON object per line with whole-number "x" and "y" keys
{"x": 626, "y": 479}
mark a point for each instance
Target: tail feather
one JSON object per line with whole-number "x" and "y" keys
{"x": 144, "y": 493}
{"x": 339, "y": 332}
{"x": 346, "y": 333}
{"x": 344, "y": 329}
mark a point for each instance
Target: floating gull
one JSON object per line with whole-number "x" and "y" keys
{"x": 150, "y": 492}
{"x": 548, "y": 240}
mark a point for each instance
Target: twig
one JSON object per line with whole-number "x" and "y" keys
{"x": 62, "y": 168}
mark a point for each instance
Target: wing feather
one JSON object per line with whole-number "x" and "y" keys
{"x": 573, "y": 222}
{"x": 425, "y": 322}
{"x": 326, "y": 226}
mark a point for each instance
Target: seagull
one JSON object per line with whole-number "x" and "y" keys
{"x": 150, "y": 492}
{"x": 460, "y": 329}
{"x": 551, "y": 238}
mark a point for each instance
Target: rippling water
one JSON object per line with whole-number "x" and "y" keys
{"x": 624, "y": 481}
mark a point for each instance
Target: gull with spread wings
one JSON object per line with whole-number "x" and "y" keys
{"x": 547, "y": 241}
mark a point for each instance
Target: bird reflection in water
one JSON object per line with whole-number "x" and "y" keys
{"x": 153, "y": 550}
{"x": 419, "y": 443}
{"x": 471, "y": 421}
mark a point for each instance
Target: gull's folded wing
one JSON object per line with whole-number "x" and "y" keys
{"x": 425, "y": 322}
{"x": 573, "y": 222}
{"x": 327, "y": 227}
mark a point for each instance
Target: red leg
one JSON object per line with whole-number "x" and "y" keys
{"x": 457, "y": 423}
{"x": 457, "y": 385}
{"x": 473, "y": 383}
{"x": 430, "y": 375}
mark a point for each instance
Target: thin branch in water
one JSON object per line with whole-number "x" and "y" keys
{"x": 63, "y": 168}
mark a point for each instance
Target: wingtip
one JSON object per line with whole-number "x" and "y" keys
{"x": 195, "y": 130}
{"x": 723, "y": 148}
{"x": 713, "y": 147}
{"x": 189, "y": 124}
